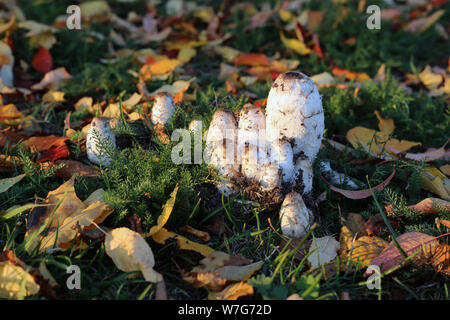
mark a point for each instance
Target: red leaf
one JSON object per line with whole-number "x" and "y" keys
{"x": 360, "y": 194}
{"x": 42, "y": 60}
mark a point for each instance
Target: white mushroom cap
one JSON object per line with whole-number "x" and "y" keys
{"x": 304, "y": 168}
{"x": 295, "y": 216}
{"x": 294, "y": 110}
{"x": 220, "y": 149}
{"x": 281, "y": 154}
{"x": 98, "y": 139}
{"x": 163, "y": 108}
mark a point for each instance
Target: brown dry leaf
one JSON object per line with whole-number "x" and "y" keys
{"x": 52, "y": 79}
{"x": 11, "y": 279}
{"x": 40, "y": 144}
{"x": 411, "y": 242}
{"x": 70, "y": 168}
{"x": 445, "y": 169}
{"x": 203, "y": 235}
{"x": 219, "y": 269}
{"x": 184, "y": 244}
{"x": 232, "y": 292}
{"x": 130, "y": 252}
{"x": 428, "y": 205}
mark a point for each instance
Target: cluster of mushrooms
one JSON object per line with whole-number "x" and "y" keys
{"x": 273, "y": 151}
{"x": 276, "y": 150}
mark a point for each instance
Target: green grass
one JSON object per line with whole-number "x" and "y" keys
{"x": 138, "y": 184}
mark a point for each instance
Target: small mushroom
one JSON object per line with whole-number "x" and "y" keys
{"x": 221, "y": 148}
{"x": 195, "y": 126}
{"x": 99, "y": 139}
{"x": 295, "y": 217}
{"x": 163, "y": 108}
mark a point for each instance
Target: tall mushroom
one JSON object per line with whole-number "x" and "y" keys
{"x": 163, "y": 108}
{"x": 294, "y": 113}
{"x": 295, "y": 216}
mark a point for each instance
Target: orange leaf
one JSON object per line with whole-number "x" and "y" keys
{"x": 350, "y": 75}
{"x": 251, "y": 59}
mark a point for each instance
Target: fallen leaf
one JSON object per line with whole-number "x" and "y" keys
{"x": 53, "y": 97}
{"x": 130, "y": 252}
{"x": 350, "y": 75}
{"x": 164, "y": 216}
{"x": 295, "y": 45}
{"x": 232, "y": 292}
{"x": 433, "y": 180}
{"x": 251, "y": 59}
{"x": 52, "y": 79}
{"x": 70, "y": 168}
{"x": 12, "y": 279}
{"x": 158, "y": 68}
{"x": 385, "y": 125}
{"x": 183, "y": 243}
{"x": 75, "y": 224}
{"x": 428, "y": 206}
{"x": 219, "y": 269}
{"x": 203, "y": 235}
{"x": 322, "y": 250}
{"x": 411, "y": 243}
{"x": 360, "y": 194}
{"x": 422, "y": 24}
{"x": 430, "y": 79}
{"x": 7, "y": 183}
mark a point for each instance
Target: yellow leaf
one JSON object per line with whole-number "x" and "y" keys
{"x": 295, "y": 45}
{"x": 167, "y": 210}
{"x": 433, "y": 180}
{"x": 285, "y": 15}
{"x": 161, "y": 67}
{"x": 184, "y": 244}
{"x": 84, "y": 103}
{"x": 94, "y": 8}
{"x": 232, "y": 292}
{"x": 385, "y": 125}
{"x": 361, "y": 250}
{"x": 12, "y": 279}
{"x": 10, "y": 111}
{"x": 53, "y": 97}
{"x": 430, "y": 79}
{"x": 130, "y": 252}
{"x": 186, "y": 54}
{"x": 69, "y": 229}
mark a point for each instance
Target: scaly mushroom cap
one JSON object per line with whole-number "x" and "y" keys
{"x": 220, "y": 149}
{"x": 252, "y": 147}
{"x": 294, "y": 110}
{"x": 295, "y": 216}
{"x": 163, "y": 108}
{"x": 100, "y": 137}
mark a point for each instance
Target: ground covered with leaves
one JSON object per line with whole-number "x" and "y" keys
{"x": 385, "y": 94}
